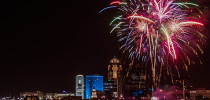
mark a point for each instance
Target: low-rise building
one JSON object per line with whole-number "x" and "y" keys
{"x": 199, "y": 93}
{"x": 38, "y": 94}
{"x": 57, "y": 96}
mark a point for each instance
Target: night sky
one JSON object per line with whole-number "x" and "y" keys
{"x": 45, "y": 44}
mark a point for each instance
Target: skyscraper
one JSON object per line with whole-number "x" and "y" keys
{"x": 114, "y": 86}
{"x": 93, "y": 82}
{"x": 136, "y": 81}
{"x": 114, "y": 69}
{"x": 80, "y": 86}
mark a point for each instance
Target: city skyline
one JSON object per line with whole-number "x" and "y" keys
{"x": 45, "y": 44}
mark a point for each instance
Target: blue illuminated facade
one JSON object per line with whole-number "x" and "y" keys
{"x": 93, "y": 81}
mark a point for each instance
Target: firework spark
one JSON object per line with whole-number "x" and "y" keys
{"x": 162, "y": 32}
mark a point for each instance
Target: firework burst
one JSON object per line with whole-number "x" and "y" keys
{"x": 163, "y": 32}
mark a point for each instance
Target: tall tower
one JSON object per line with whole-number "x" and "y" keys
{"x": 80, "y": 86}
{"x": 114, "y": 69}
{"x": 115, "y": 76}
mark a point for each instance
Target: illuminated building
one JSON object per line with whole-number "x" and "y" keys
{"x": 72, "y": 98}
{"x": 110, "y": 88}
{"x": 57, "y": 96}
{"x": 97, "y": 95}
{"x": 114, "y": 85}
{"x": 38, "y": 94}
{"x": 136, "y": 81}
{"x": 80, "y": 87}
{"x": 200, "y": 94}
{"x": 44, "y": 96}
{"x": 31, "y": 98}
{"x": 93, "y": 82}
{"x": 114, "y": 69}
{"x": 94, "y": 94}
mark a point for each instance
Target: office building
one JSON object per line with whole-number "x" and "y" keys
{"x": 80, "y": 87}
{"x": 38, "y": 94}
{"x": 114, "y": 69}
{"x": 31, "y": 98}
{"x": 93, "y": 82}
{"x": 136, "y": 81}
{"x": 57, "y": 96}
{"x": 114, "y": 86}
{"x": 71, "y": 98}
{"x": 200, "y": 94}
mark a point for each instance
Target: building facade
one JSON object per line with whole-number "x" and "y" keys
{"x": 114, "y": 86}
{"x": 38, "y": 94}
{"x": 93, "y": 82}
{"x": 57, "y": 96}
{"x": 43, "y": 96}
{"x": 80, "y": 87}
{"x": 110, "y": 89}
{"x": 114, "y": 69}
{"x": 136, "y": 81}
{"x": 200, "y": 94}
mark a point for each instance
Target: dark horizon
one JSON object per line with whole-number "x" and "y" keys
{"x": 45, "y": 44}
